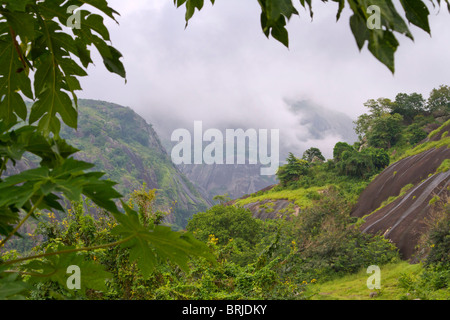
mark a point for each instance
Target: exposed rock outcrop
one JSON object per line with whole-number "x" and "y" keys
{"x": 404, "y": 220}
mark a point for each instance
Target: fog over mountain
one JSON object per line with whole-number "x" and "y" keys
{"x": 311, "y": 126}
{"x": 222, "y": 69}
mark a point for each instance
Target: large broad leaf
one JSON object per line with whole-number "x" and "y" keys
{"x": 12, "y": 287}
{"x": 69, "y": 179}
{"x": 13, "y": 79}
{"x": 8, "y": 219}
{"x": 55, "y": 268}
{"x": 157, "y": 242}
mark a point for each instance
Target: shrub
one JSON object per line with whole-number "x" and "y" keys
{"x": 293, "y": 170}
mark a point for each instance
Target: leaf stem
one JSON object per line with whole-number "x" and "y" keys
{"x": 33, "y": 274}
{"x": 3, "y": 168}
{"x": 2, "y": 243}
{"x": 17, "y": 47}
{"x": 49, "y": 254}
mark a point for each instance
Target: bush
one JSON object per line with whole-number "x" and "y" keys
{"x": 339, "y": 148}
{"x": 437, "y": 239}
{"x": 225, "y": 222}
{"x": 416, "y": 133}
{"x": 293, "y": 170}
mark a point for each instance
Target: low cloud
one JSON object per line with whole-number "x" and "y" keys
{"x": 223, "y": 71}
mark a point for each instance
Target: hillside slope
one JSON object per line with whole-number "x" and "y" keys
{"x": 124, "y": 146}
{"x": 121, "y": 143}
{"x": 402, "y": 216}
{"x": 397, "y": 203}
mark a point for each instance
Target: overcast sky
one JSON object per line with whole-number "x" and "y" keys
{"x": 222, "y": 69}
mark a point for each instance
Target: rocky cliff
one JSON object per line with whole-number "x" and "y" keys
{"x": 402, "y": 216}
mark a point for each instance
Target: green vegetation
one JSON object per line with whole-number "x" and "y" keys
{"x": 72, "y": 215}
{"x": 37, "y": 47}
{"x": 399, "y": 281}
{"x": 301, "y": 197}
{"x": 444, "y": 167}
{"x": 120, "y": 143}
{"x": 310, "y": 184}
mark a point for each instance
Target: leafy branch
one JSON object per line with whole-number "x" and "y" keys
{"x": 68, "y": 251}
{"x": 34, "y": 35}
{"x": 382, "y": 42}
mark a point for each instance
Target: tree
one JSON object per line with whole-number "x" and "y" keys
{"x": 417, "y": 133}
{"x": 409, "y": 105}
{"x": 293, "y": 170}
{"x": 381, "y": 39}
{"x": 312, "y": 153}
{"x": 339, "y": 148}
{"x": 379, "y": 107}
{"x": 222, "y": 199}
{"x": 380, "y": 158}
{"x": 380, "y": 127}
{"x": 376, "y": 109}
{"x": 439, "y": 99}
{"x": 385, "y": 131}
{"x": 360, "y": 164}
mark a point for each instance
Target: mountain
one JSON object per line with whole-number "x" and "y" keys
{"x": 322, "y": 122}
{"x": 124, "y": 146}
{"x": 234, "y": 180}
{"x": 240, "y": 180}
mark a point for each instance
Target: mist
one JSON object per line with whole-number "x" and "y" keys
{"x": 223, "y": 71}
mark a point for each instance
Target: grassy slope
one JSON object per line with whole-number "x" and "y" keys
{"x": 442, "y": 142}
{"x": 354, "y": 287}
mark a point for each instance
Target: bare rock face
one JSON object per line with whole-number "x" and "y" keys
{"x": 404, "y": 220}
{"x": 236, "y": 180}
{"x": 273, "y": 209}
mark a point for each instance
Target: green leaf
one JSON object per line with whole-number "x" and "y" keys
{"x": 54, "y": 268}
{"x": 12, "y": 80}
{"x": 17, "y": 5}
{"x": 279, "y": 31}
{"x": 417, "y": 13}
{"x": 341, "y": 8}
{"x": 383, "y": 46}
{"x": 12, "y": 287}
{"x": 157, "y": 242}
{"x": 8, "y": 219}
{"x": 191, "y": 5}
{"x": 51, "y": 100}
{"x": 359, "y": 29}
{"x": 101, "y": 5}
{"x": 275, "y": 8}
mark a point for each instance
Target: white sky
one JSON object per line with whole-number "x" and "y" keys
{"x": 222, "y": 69}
